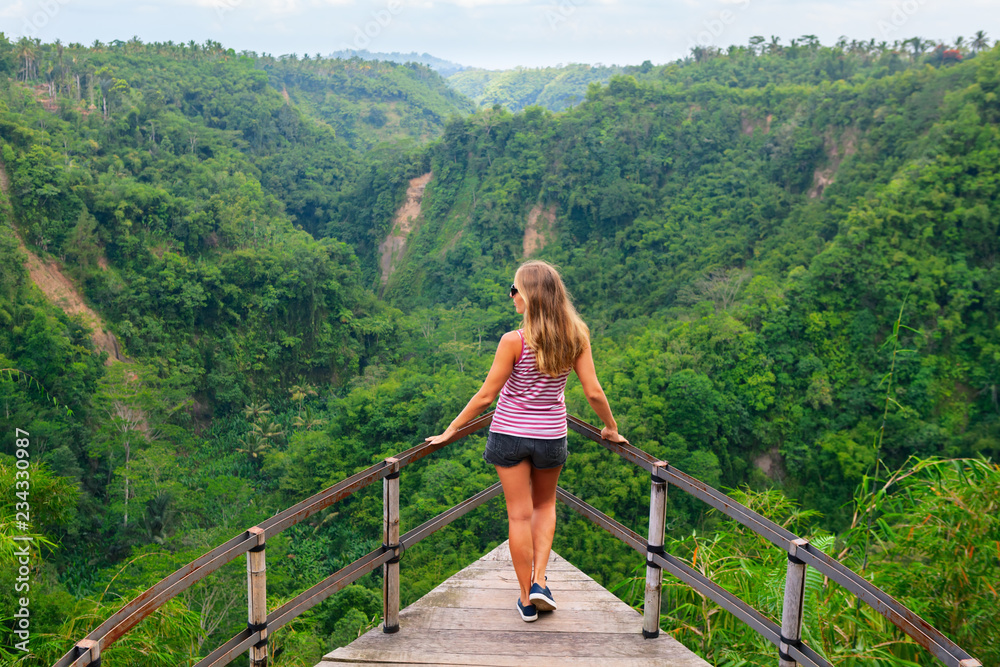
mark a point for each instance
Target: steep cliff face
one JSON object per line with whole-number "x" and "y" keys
{"x": 48, "y": 276}
{"x": 540, "y": 229}
{"x": 406, "y": 219}
{"x": 836, "y": 150}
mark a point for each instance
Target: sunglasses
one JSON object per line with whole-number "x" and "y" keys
{"x": 513, "y": 290}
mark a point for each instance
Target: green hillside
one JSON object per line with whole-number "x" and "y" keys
{"x": 786, "y": 255}
{"x": 368, "y": 102}
{"x": 443, "y": 67}
{"x": 554, "y": 88}
{"x": 784, "y": 227}
{"x": 804, "y": 61}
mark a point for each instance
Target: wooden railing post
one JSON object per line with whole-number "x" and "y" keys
{"x": 791, "y": 609}
{"x": 257, "y": 598}
{"x": 654, "y": 545}
{"x": 390, "y": 540}
{"x": 89, "y": 646}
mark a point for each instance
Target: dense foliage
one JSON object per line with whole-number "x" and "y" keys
{"x": 440, "y": 65}
{"x": 759, "y": 63}
{"x": 743, "y": 255}
{"x": 555, "y": 88}
{"x": 368, "y": 102}
{"x": 787, "y": 257}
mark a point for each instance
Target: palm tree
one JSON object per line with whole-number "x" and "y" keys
{"x": 27, "y": 53}
{"x": 75, "y": 71}
{"x": 812, "y": 41}
{"x": 59, "y": 58}
{"x": 918, "y": 45}
{"x": 158, "y": 516}
{"x": 300, "y": 392}
{"x": 309, "y": 422}
{"x": 980, "y": 41}
{"x": 268, "y": 429}
{"x": 50, "y": 77}
{"x": 255, "y": 411}
{"x": 254, "y": 445}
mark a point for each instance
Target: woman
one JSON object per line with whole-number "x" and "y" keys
{"x": 527, "y": 439}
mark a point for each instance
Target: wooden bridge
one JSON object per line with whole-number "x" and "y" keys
{"x": 470, "y": 620}
{"x": 446, "y": 624}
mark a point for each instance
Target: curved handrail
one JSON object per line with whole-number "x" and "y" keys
{"x": 340, "y": 579}
{"x": 915, "y": 627}
{"x": 85, "y": 651}
{"x": 184, "y": 577}
{"x": 762, "y": 625}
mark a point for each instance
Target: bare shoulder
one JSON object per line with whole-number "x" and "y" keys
{"x": 511, "y": 337}
{"x": 510, "y": 345}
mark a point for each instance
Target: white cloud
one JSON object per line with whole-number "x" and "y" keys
{"x": 14, "y": 11}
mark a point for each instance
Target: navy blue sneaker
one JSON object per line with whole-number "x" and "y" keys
{"x": 542, "y": 598}
{"x": 529, "y": 613}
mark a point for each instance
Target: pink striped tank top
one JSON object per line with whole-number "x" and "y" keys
{"x": 531, "y": 404}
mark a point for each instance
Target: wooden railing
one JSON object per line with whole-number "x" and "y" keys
{"x": 260, "y": 623}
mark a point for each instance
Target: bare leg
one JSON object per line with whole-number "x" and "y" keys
{"x": 516, "y": 482}
{"x": 543, "y": 517}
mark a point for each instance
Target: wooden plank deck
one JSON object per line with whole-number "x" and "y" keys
{"x": 470, "y": 619}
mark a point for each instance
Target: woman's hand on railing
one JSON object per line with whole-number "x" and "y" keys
{"x": 612, "y": 435}
{"x": 437, "y": 439}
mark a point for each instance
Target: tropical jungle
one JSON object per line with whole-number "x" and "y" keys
{"x": 229, "y": 280}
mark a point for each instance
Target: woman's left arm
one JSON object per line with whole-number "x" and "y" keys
{"x": 503, "y": 365}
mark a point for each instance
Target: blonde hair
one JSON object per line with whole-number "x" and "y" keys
{"x": 552, "y": 327}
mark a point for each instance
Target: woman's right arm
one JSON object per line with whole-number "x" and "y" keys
{"x": 503, "y": 365}
{"x": 584, "y": 367}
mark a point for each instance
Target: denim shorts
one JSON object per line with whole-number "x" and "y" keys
{"x": 508, "y": 450}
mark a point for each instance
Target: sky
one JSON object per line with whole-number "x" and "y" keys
{"x": 496, "y": 34}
